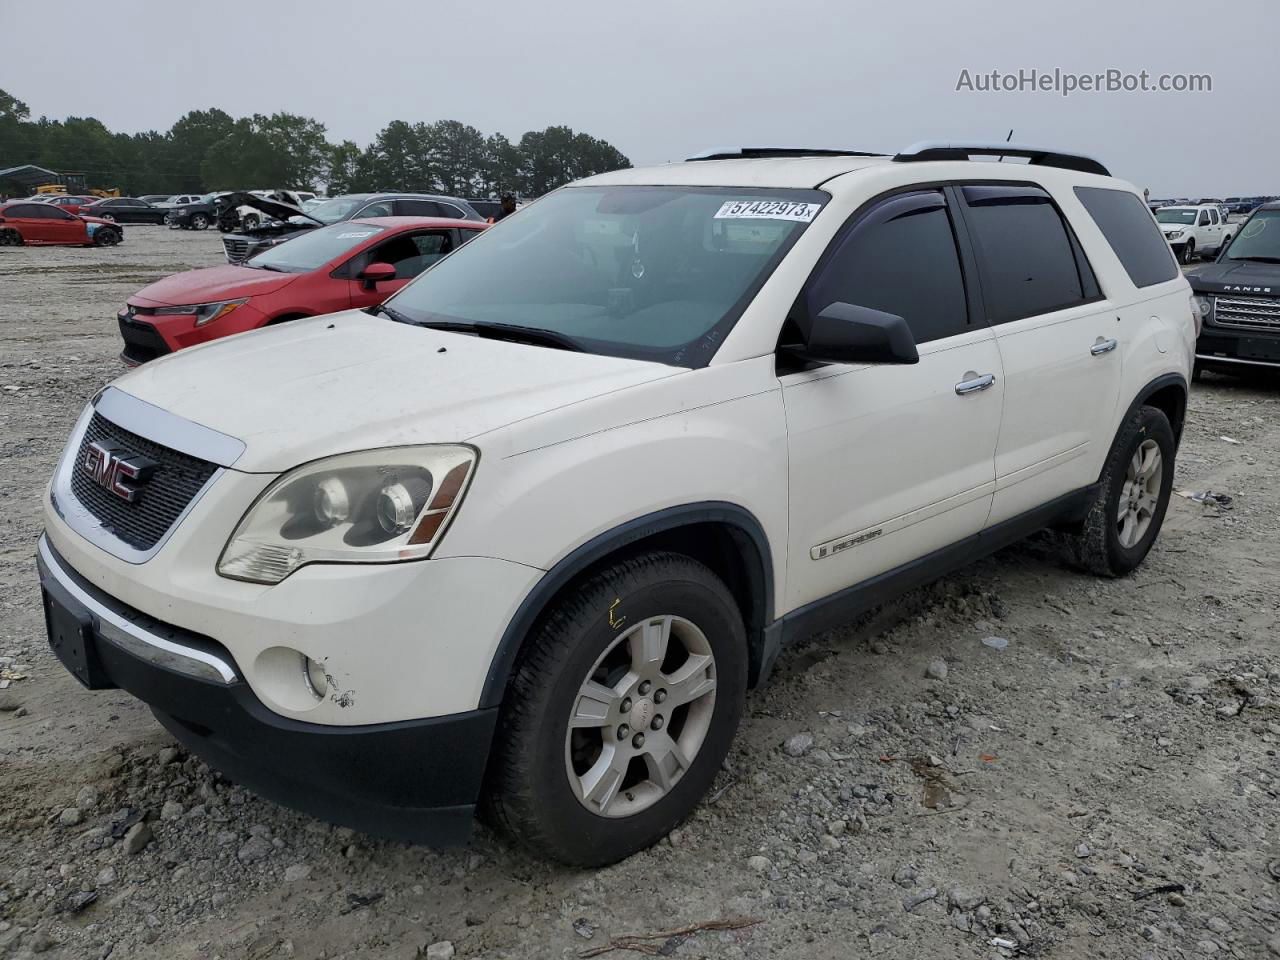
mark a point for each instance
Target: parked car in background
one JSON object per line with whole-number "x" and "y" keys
{"x": 178, "y": 199}
{"x": 1238, "y": 299}
{"x": 249, "y": 216}
{"x": 155, "y": 198}
{"x": 72, "y": 204}
{"x": 126, "y": 210}
{"x": 46, "y": 223}
{"x": 280, "y": 221}
{"x": 357, "y": 263}
{"x": 1191, "y": 231}
{"x": 200, "y": 214}
{"x": 526, "y": 533}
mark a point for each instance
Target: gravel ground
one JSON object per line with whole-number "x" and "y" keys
{"x": 1018, "y": 756}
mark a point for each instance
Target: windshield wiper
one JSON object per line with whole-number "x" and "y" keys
{"x": 539, "y": 336}
{"x": 396, "y": 315}
{"x": 513, "y": 332}
{"x": 1257, "y": 259}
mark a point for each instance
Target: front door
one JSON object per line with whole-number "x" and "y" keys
{"x": 410, "y": 253}
{"x": 891, "y": 462}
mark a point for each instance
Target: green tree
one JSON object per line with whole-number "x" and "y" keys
{"x": 500, "y": 168}
{"x": 190, "y": 140}
{"x": 11, "y": 108}
{"x": 281, "y": 150}
{"x": 455, "y": 155}
{"x": 348, "y": 171}
{"x": 552, "y": 157}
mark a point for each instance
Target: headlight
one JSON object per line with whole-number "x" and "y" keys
{"x": 203, "y": 312}
{"x": 1201, "y": 309}
{"x": 376, "y": 506}
{"x": 1174, "y": 234}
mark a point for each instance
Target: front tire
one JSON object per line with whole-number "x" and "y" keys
{"x": 250, "y": 222}
{"x": 106, "y": 237}
{"x": 199, "y": 222}
{"x": 1188, "y": 252}
{"x": 621, "y": 709}
{"x": 1128, "y": 511}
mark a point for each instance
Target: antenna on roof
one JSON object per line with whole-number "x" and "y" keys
{"x": 1006, "y": 140}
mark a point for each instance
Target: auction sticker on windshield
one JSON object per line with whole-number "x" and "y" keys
{"x": 768, "y": 210}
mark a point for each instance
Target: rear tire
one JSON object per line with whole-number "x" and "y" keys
{"x": 647, "y": 739}
{"x": 199, "y": 222}
{"x": 249, "y": 222}
{"x": 10, "y": 238}
{"x": 1128, "y": 511}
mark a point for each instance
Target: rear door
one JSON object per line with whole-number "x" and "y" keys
{"x": 1058, "y": 340}
{"x": 889, "y": 462}
{"x": 27, "y": 219}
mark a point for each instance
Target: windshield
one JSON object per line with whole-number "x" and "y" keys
{"x": 654, "y": 273}
{"x": 339, "y": 208}
{"x": 1259, "y": 239}
{"x": 1176, "y": 215}
{"x": 314, "y": 248}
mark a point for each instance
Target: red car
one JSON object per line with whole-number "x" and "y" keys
{"x": 72, "y": 204}
{"x": 34, "y": 222}
{"x": 356, "y": 263}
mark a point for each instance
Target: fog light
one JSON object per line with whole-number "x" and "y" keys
{"x": 314, "y": 677}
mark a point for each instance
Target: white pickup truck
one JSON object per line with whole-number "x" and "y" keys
{"x": 1200, "y": 229}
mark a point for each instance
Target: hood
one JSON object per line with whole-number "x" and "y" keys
{"x": 350, "y": 381}
{"x": 275, "y": 209}
{"x": 211, "y": 285}
{"x": 1238, "y": 276}
{"x": 98, "y": 220}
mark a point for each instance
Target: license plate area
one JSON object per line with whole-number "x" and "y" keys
{"x": 71, "y": 639}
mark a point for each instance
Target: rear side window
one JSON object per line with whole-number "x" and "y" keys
{"x": 900, "y": 258}
{"x": 1031, "y": 263}
{"x": 1126, "y": 223}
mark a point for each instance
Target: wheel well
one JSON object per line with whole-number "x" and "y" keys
{"x": 1172, "y": 401}
{"x": 732, "y": 548}
{"x": 286, "y": 317}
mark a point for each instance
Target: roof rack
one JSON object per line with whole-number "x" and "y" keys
{"x": 1039, "y": 156}
{"x": 757, "y": 153}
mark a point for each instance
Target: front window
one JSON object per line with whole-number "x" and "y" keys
{"x": 339, "y": 208}
{"x": 1259, "y": 239}
{"x": 1176, "y": 215}
{"x": 654, "y": 273}
{"x": 313, "y": 249}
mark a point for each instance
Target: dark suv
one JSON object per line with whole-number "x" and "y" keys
{"x": 1238, "y": 297}
{"x": 289, "y": 221}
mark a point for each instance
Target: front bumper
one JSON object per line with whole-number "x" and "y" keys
{"x": 1231, "y": 347}
{"x": 415, "y": 780}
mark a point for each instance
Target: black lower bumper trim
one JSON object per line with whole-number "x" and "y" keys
{"x": 416, "y": 780}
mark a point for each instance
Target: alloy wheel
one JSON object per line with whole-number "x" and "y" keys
{"x": 1140, "y": 493}
{"x": 640, "y": 716}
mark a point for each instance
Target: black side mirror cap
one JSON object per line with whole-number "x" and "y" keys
{"x": 848, "y": 333}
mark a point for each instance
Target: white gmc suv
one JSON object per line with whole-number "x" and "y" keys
{"x": 523, "y": 537}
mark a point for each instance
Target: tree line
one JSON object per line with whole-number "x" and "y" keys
{"x": 208, "y": 150}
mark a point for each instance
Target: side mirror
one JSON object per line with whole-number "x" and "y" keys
{"x": 376, "y": 273}
{"x": 847, "y": 333}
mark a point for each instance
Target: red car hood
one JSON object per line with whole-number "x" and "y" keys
{"x": 88, "y": 219}
{"x": 211, "y": 285}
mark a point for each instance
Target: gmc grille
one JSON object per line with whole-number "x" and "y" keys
{"x": 1256, "y": 312}
{"x": 174, "y": 483}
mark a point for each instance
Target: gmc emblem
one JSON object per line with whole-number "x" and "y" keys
{"x": 116, "y": 469}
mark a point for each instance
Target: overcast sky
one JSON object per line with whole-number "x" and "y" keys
{"x": 661, "y": 79}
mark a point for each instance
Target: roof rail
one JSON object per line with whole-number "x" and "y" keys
{"x": 1039, "y": 156}
{"x": 757, "y": 153}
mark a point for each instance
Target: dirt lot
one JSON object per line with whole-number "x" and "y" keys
{"x": 1093, "y": 775}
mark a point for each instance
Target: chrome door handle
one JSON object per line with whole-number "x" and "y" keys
{"x": 1101, "y": 346}
{"x": 975, "y": 385}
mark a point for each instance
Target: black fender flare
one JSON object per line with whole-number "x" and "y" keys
{"x": 749, "y": 538}
{"x": 1160, "y": 383}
